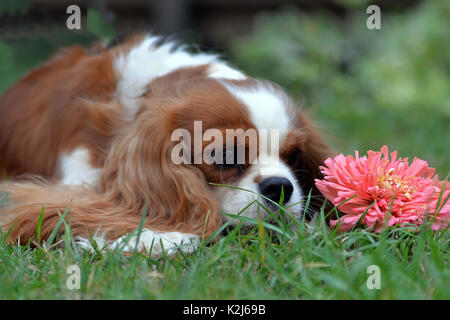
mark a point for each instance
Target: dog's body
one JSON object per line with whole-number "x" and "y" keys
{"x": 96, "y": 127}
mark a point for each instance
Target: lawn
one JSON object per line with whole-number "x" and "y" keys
{"x": 292, "y": 261}
{"x": 366, "y": 89}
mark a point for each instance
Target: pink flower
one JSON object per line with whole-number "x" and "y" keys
{"x": 394, "y": 191}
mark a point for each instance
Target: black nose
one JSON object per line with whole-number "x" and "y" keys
{"x": 271, "y": 188}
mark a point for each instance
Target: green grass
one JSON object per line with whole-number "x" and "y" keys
{"x": 291, "y": 261}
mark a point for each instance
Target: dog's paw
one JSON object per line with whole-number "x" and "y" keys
{"x": 149, "y": 241}
{"x": 155, "y": 243}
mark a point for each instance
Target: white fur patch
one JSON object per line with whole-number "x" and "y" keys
{"x": 147, "y": 61}
{"x": 152, "y": 242}
{"x": 220, "y": 70}
{"x": 76, "y": 169}
{"x": 266, "y": 108}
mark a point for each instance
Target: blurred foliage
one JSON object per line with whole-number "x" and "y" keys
{"x": 368, "y": 87}
{"x": 99, "y": 26}
{"x": 14, "y": 5}
{"x": 19, "y": 54}
{"x": 354, "y": 3}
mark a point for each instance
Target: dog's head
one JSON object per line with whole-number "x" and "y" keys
{"x": 204, "y": 145}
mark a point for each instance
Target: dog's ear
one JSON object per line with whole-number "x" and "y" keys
{"x": 312, "y": 152}
{"x": 140, "y": 171}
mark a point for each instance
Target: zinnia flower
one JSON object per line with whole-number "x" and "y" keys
{"x": 392, "y": 191}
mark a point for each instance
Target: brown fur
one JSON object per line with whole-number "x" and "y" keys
{"x": 42, "y": 118}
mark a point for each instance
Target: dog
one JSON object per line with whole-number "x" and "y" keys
{"x": 90, "y": 133}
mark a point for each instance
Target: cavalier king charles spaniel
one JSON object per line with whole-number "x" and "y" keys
{"x": 92, "y": 130}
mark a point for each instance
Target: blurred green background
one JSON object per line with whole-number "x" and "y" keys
{"x": 366, "y": 88}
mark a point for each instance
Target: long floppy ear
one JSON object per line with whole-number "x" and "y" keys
{"x": 313, "y": 152}
{"x": 139, "y": 171}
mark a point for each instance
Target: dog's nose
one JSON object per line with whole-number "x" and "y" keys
{"x": 271, "y": 188}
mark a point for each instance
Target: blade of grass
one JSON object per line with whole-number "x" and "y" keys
{"x": 72, "y": 243}
{"x": 94, "y": 244}
{"x": 360, "y": 220}
{"x": 139, "y": 229}
{"x": 261, "y": 236}
{"x": 204, "y": 226}
{"x": 55, "y": 231}
{"x": 39, "y": 225}
{"x": 218, "y": 231}
{"x": 255, "y": 222}
{"x": 441, "y": 195}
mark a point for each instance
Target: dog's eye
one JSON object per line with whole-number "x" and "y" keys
{"x": 230, "y": 160}
{"x": 293, "y": 157}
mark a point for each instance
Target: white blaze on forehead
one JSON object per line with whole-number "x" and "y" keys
{"x": 266, "y": 107}
{"x": 147, "y": 60}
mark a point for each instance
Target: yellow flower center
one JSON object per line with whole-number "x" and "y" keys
{"x": 396, "y": 184}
